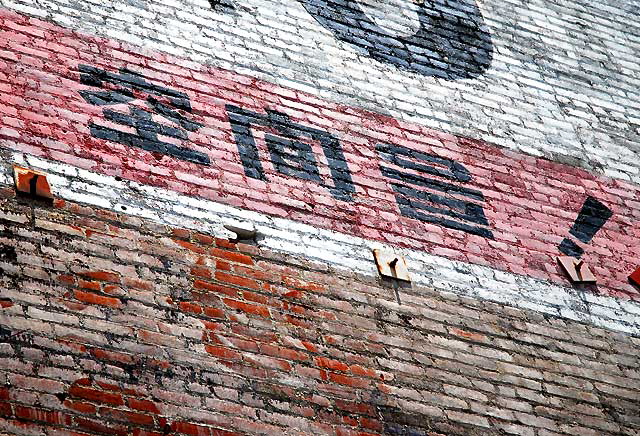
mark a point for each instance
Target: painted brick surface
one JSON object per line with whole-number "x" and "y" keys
{"x": 463, "y": 199}
{"x": 338, "y": 251}
{"x": 479, "y": 140}
{"x": 120, "y": 326}
{"x": 554, "y": 79}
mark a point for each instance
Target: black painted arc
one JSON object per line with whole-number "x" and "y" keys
{"x": 452, "y": 42}
{"x": 453, "y": 207}
{"x": 94, "y": 76}
{"x": 411, "y": 212}
{"x": 107, "y": 98}
{"x": 145, "y": 124}
{"x": 173, "y": 115}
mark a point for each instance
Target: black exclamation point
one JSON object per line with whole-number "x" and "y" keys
{"x": 590, "y": 219}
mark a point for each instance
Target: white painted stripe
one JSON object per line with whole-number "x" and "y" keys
{"x": 338, "y": 250}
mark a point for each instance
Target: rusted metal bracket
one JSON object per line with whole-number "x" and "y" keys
{"x": 32, "y": 183}
{"x": 391, "y": 265}
{"x": 576, "y": 270}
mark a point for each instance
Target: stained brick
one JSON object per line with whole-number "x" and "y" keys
{"x": 96, "y": 396}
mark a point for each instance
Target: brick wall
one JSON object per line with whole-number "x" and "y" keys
{"x": 478, "y": 140}
{"x": 553, "y": 79}
{"x": 471, "y": 201}
{"x": 117, "y": 325}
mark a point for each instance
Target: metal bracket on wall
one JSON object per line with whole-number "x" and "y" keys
{"x": 576, "y": 270}
{"x": 244, "y": 231}
{"x": 391, "y": 265}
{"x": 32, "y": 183}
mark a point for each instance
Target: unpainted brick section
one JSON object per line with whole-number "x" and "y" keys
{"x": 293, "y": 349}
{"x": 530, "y": 203}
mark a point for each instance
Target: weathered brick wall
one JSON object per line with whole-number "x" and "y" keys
{"x": 555, "y": 79}
{"x": 477, "y": 140}
{"x": 117, "y": 325}
{"x": 483, "y": 204}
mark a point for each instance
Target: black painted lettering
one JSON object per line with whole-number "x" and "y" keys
{"x": 127, "y": 86}
{"x": 427, "y": 188}
{"x": 289, "y": 149}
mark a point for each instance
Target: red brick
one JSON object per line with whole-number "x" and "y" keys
{"x": 35, "y": 414}
{"x": 91, "y": 298}
{"x": 5, "y": 409}
{"x": 248, "y": 308}
{"x": 5, "y": 303}
{"x": 349, "y": 381}
{"x": 204, "y": 239}
{"x": 223, "y": 243}
{"x": 223, "y": 353}
{"x": 202, "y": 272}
{"x": 214, "y": 287}
{"x": 190, "y": 429}
{"x": 301, "y": 284}
{"x": 85, "y": 284}
{"x": 370, "y": 424}
{"x": 331, "y": 364}
{"x": 126, "y": 416}
{"x": 81, "y": 407}
{"x": 237, "y": 280}
{"x": 67, "y": 279}
{"x": 143, "y": 405}
{"x": 232, "y": 256}
{"x": 285, "y": 353}
{"x": 469, "y": 335}
{"x": 96, "y": 396}
{"x": 71, "y": 343}
{"x": 355, "y": 407}
{"x": 142, "y": 432}
{"x": 108, "y": 386}
{"x": 190, "y": 246}
{"x": 189, "y": 307}
{"x": 101, "y": 428}
{"x": 138, "y": 284}
{"x": 181, "y": 233}
{"x": 213, "y": 312}
{"x": 103, "y": 276}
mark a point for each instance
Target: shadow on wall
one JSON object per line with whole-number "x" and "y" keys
{"x": 451, "y": 41}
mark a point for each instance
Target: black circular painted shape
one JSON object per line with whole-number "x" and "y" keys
{"x": 452, "y": 41}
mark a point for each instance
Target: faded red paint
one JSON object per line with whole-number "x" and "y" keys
{"x": 530, "y": 203}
